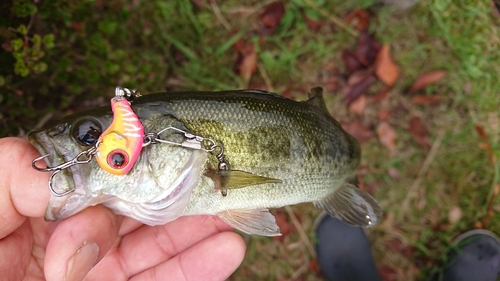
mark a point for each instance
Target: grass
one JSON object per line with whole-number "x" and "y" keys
{"x": 174, "y": 45}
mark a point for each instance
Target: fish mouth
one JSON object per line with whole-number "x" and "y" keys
{"x": 53, "y": 156}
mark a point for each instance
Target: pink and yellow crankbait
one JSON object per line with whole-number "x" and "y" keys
{"x": 121, "y": 143}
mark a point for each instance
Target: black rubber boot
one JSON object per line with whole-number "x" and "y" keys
{"x": 476, "y": 256}
{"x": 344, "y": 251}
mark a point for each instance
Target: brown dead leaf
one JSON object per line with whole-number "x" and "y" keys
{"x": 388, "y": 273}
{"x": 385, "y": 67}
{"x": 312, "y": 25}
{"x": 271, "y": 17}
{"x": 482, "y": 133}
{"x": 287, "y": 93}
{"x": 384, "y": 114}
{"x": 198, "y": 3}
{"x": 357, "y": 84}
{"x": 486, "y": 146}
{"x": 314, "y": 266}
{"x": 358, "y": 105}
{"x": 333, "y": 83}
{"x": 367, "y": 49}
{"x": 246, "y": 64}
{"x": 357, "y": 130}
{"x": 396, "y": 246}
{"x": 425, "y": 100}
{"x": 387, "y": 135}
{"x": 257, "y": 86}
{"x": 359, "y": 18}
{"x": 286, "y": 228}
{"x": 419, "y": 132}
{"x": 427, "y": 79}
{"x": 350, "y": 61}
{"x": 381, "y": 95}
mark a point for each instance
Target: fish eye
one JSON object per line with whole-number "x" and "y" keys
{"x": 117, "y": 159}
{"x": 86, "y": 131}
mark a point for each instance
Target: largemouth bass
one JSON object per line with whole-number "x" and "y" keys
{"x": 233, "y": 154}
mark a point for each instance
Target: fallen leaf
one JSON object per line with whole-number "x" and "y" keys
{"x": 287, "y": 93}
{"x": 246, "y": 64}
{"x": 286, "y": 228}
{"x": 358, "y": 105}
{"x": 381, "y": 95}
{"x": 357, "y": 130}
{"x": 387, "y": 273}
{"x": 350, "y": 61}
{"x": 367, "y": 49}
{"x": 425, "y": 100}
{"x": 454, "y": 214}
{"x": 387, "y": 135}
{"x": 333, "y": 83}
{"x": 482, "y": 133}
{"x": 312, "y": 25}
{"x": 396, "y": 246}
{"x": 257, "y": 86}
{"x": 427, "y": 79}
{"x": 418, "y": 131}
{"x": 383, "y": 114}
{"x": 314, "y": 266}
{"x": 198, "y": 3}
{"x": 357, "y": 84}
{"x": 486, "y": 146}
{"x": 421, "y": 37}
{"x": 360, "y": 18}
{"x": 385, "y": 67}
{"x": 271, "y": 17}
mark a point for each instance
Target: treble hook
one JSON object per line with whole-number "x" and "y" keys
{"x": 56, "y": 169}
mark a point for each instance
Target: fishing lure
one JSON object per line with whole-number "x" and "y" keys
{"x": 120, "y": 145}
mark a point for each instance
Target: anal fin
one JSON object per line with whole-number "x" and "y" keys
{"x": 352, "y": 205}
{"x": 232, "y": 179}
{"x": 259, "y": 222}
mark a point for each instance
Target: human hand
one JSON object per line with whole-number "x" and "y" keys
{"x": 190, "y": 248}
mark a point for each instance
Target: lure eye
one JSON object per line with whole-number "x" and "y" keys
{"x": 117, "y": 159}
{"x": 86, "y": 131}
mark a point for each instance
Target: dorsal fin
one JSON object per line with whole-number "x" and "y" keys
{"x": 316, "y": 98}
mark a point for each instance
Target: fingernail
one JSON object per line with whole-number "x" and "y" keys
{"x": 82, "y": 261}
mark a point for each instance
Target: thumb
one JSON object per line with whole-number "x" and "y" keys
{"x": 80, "y": 242}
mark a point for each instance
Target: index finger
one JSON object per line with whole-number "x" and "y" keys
{"x": 23, "y": 190}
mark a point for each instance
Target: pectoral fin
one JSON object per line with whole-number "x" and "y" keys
{"x": 232, "y": 179}
{"x": 259, "y": 222}
{"x": 352, "y": 205}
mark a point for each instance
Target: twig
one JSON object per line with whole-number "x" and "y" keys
{"x": 422, "y": 172}
{"x": 263, "y": 74}
{"x": 303, "y": 269}
{"x": 301, "y": 231}
{"x": 219, "y": 15}
{"x": 340, "y": 23}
